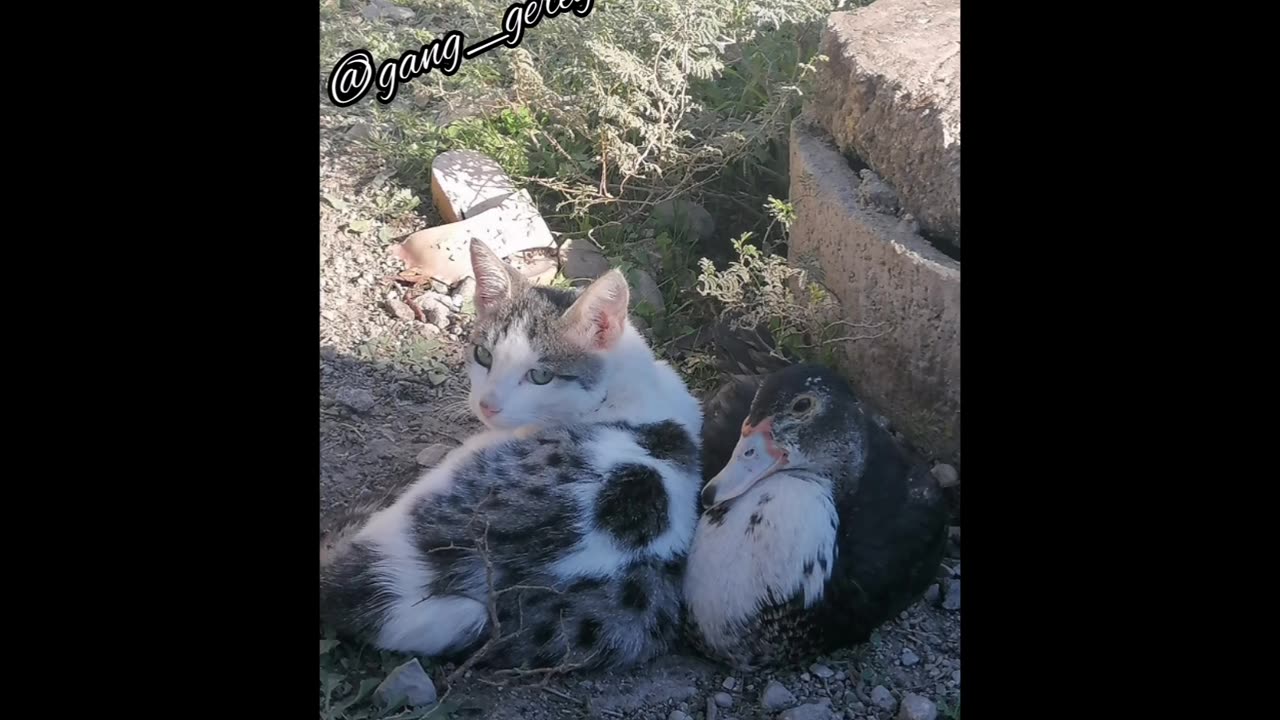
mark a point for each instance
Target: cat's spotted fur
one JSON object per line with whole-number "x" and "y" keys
{"x": 573, "y": 513}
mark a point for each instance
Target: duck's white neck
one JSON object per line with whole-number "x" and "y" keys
{"x": 776, "y": 540}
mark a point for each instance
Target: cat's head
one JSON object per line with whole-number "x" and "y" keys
{"x": 539, "y": 354}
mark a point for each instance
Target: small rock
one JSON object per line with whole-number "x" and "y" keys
{"x": 882, "y": 698}
{"x": 840, "y": 675}
{"x": 724, "y": 699}
{"x": 359, "y": 131}
{"x": 464, "y": 289}
{"x": 946, "y": 475}
{"x": 955, "y": 677}
{"x": 909, "y": 658}
{"x": 952, "y": 601}
{"x": 644, "y": 289}
{"x": 876, "y": 193}
{"x": 384, "y": 10}
{"x": 916, "y": 707}
{"x": 399, "y": 309}
{"x": 712, "y": 710}
{"x": 933, "y": 595}
{"x": 435, "y": 308}
{"x": 580, "y": 259}
{"x": 358, "y": 400}
{"x": 684, "y": 217}
{"x": 776, "y": 696}
{"x": 956, "y": 572}
{"x": 729, "y": 683}
{"x": 429, "y": 330}
{"x": 820, "y": 710}
{"x": 432, "y": 454}
{"x": 677, "y": 715}
{"x": 407, "y": 683}
{"x": 804, "y": 677}
{"x": 821, "y": 670}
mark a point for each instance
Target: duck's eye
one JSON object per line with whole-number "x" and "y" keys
{"x": 483, "y": 356}
{"x": 801, "y": 406}
{"x": 539, "y": 376}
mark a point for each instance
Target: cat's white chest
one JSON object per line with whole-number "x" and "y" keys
{"x": 768, "y": 544}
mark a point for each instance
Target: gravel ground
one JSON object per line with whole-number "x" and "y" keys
{"x": 390, "y": 387}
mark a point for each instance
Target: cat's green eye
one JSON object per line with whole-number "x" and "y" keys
{"x": 483, "y": 356}
{"x": 538, "y": 376}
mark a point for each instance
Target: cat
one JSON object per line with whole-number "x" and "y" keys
{"x": 569, "y": 517}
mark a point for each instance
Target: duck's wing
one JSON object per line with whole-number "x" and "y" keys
{"x": 722, "y": 416}
{"x": 892, "y": 536}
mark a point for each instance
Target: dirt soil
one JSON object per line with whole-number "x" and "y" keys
{"x": 390, "y": 387}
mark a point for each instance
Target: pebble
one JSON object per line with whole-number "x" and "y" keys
{"x": 355, "y": 398}
{"x": 946, "y": 475}
{"x": 644, "y": 289}
{"x": 909, "y": 658}
{"x": 729, "y": 683}
{"x": 580, "y": 259}
{"x": 399, "y": 309}
{"x": 952, "y": 601}
{"x": 464, "y": 289}
{"x": 432, "y": 454}
{"x": 933, "y": 595}
{"x": 875, "y": 192}
{"x": 776, "y": 696}
{"x": 821, "y": 671}
{"x": 840, "y": 675}
{"x": 810, "y": 711}
{"x": 677, "y": 715}
{"x": 407, "y": 683}
{"x": 429, "y": 330}
{"x": 916, "y": 707}
{"x": 435, "y": 308}
{"x": 955, "y": 677}
{"x": 359, "y": 131}
{"x": 685, "y": 217}
{"x": 881, "y": 697}
{"x": 804, "y": 677}
{"x": 724, "y": 700}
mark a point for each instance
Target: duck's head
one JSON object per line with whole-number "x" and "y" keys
{"x": 803, "y": 418}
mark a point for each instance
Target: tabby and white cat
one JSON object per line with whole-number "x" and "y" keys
{"x": 572, "y": 512}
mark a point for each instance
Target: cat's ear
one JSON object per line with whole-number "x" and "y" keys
{"x": 496, "y": 282}
{"x": 596, "y": 319}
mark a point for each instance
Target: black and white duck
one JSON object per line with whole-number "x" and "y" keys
{"x": 818, "y": 526}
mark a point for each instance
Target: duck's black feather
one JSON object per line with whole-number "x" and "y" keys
{"x": 722, "y": 416}
{"x": 891, "y": 538}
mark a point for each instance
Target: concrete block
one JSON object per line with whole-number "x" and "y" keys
{"x": 881, "y": 271}
{"x": 466, "y": 182}
{"x": 890, "y": 94}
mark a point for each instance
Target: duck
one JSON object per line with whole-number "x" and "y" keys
{"x": 817, "y": 526}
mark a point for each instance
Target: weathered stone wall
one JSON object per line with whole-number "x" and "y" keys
{"x": 883, "y": 272}
{"x": 890, "y": 94}
{"x": 889, "y": 99}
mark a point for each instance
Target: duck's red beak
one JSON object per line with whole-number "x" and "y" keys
{"x": 755, "y": 457}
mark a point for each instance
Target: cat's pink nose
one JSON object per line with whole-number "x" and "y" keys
{"x": 488, "y": 410}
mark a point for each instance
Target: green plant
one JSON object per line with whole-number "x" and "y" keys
{"x": 640, "y": 101}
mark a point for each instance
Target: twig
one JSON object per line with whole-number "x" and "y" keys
{"x": 495, "y": 626}
{"x": 561, "y": 695}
